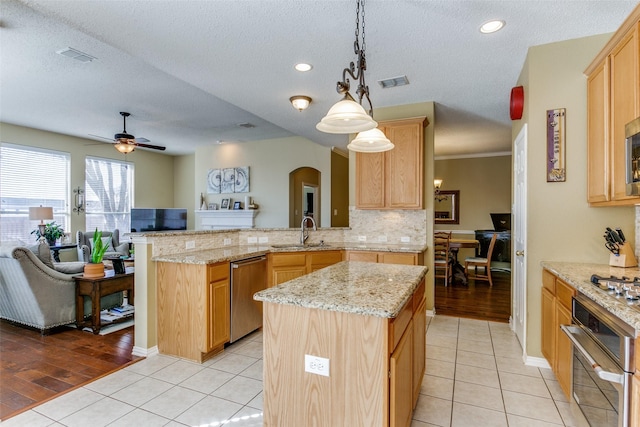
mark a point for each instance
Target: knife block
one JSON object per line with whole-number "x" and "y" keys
{"x": 626, "y": 257}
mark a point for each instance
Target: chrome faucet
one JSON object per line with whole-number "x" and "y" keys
{"x": 304, "y": 230}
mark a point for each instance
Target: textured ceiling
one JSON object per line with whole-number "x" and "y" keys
{"x": 190, "y": 71}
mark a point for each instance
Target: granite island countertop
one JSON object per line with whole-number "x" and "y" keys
{"x": 364, "y": 288}
{"x": 578, "y": 275}
{"x": 233, "y": 253}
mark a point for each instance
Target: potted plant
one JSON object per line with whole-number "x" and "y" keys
{"x": 52, "y": 232}
{"x": 95, "y": 268}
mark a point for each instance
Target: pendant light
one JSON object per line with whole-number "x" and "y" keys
{"x": 348, "y": 116}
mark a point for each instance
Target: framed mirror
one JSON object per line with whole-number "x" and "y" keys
{"x": 446, "y": 207}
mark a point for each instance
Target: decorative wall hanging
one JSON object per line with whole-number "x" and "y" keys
{"x": 556, "y": 145}
{"x": 228, "y": 180}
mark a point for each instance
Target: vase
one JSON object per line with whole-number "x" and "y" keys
{"x": 94, "y": 270}
{"x": 51, "y": 242}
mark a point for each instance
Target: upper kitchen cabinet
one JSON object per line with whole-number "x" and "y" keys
{"x": 393, "y": 179}
{"x": 613, "y": 100}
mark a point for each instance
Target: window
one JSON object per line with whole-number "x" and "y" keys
{"x": 109, "y": 194}
{"x": 31, "y": 176}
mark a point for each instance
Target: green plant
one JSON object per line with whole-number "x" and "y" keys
{"x": 99, "y": 247}
{"x": 52, "y": 232}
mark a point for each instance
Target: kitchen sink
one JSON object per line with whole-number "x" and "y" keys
{"x": 299, "y": 245}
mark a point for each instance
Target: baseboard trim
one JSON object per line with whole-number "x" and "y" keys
{"x": 145, "y": 352}
{"x": 538, "y": 362}
{"x": 431, "y": 313}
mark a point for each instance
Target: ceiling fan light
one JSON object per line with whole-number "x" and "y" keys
{"x": 346, "y": 116}
{"x": 124, "y": 147}
{"x": 300, "y": 102}
{"x": 370, "y": 141}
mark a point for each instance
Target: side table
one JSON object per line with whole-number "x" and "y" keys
{"x": 97, "y": 287}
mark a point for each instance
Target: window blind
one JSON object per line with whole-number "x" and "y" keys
{"x": 31, "y": 176}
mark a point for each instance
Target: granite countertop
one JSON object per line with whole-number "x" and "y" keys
{"x": 364, "y": 288}
{"x": 234, "y": 253}
{"x": 578, "y": 275}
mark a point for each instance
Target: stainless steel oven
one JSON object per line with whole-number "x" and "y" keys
{"x": 602, "y": 364}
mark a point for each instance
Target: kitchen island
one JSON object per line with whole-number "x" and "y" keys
{"x": 344, "y": 346}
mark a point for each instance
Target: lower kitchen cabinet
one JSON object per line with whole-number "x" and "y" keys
{"x": 193, "y": 309}
{"x": 401, "y": 380}
{"x": 419, "y": 344}
{"x": 556, "y": 311}
{"x": 386, "y": 257}
{"x": 285, "y": 266}
{"x": 635, "y": 395}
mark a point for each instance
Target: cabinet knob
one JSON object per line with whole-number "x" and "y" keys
{"x": 519, "y": 253}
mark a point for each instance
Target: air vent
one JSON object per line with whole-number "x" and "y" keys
{"x": 76, "y": 54}
{"x": 246, "y": 125}
{"x": 394, "y": 82}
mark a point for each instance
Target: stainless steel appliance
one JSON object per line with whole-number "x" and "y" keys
{"x": 632, "y": 147}
{"x": 248, "y": 276}
{"x": 602, "y": 364}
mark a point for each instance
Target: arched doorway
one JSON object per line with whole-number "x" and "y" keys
{"x": 304, "y": 195}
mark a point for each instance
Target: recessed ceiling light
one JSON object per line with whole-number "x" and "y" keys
{"x": 303, "y": 67}
{"x": 492, "y": 26}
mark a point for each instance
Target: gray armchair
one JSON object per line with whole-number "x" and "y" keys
{"x": 85, "y": 245}
{"x": 35, "y": 295}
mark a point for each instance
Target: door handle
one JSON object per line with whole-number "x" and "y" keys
{"x": 519, "y": 253}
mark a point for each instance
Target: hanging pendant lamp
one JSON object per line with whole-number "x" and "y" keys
{"x": 348, "y": 116}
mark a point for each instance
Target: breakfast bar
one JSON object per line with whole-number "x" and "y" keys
{"x": 344, "y": 346}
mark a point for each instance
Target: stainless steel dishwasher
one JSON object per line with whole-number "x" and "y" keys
{"x": 248, "y": 276}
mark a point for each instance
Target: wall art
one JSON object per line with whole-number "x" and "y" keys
{"x": 213, "y": 181}
{"x": 556, "y": 171}
{"x": 227, "y": 184}
{"x": 241, "y": 180}
{"x": 228, "y": 180}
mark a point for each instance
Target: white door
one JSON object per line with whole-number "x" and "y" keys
{"x": 519, "y": 295}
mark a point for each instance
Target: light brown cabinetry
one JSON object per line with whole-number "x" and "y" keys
{"x": 613, "y": 100}
{"x": 193, "y": 309}
{"x": 386, "y": 257}
{"x": 393, "y": 179}
{"x": 556, "y": 311}
{"x": 373, "y": 368}
{"x": 635, "y": 390}
{"x": 285, "y": 266}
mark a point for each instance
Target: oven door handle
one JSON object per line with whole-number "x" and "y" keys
{"x": 611, "y": 377}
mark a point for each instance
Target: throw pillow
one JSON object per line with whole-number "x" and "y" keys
{"x": 104, "y": 242}
{"x": 43, "y": 253}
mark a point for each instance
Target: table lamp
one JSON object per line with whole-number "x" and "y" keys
{"x": 41, "y": 213}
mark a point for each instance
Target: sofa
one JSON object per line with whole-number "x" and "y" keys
{"x": 85, "y": 245}
{"x": 36, "y": 295}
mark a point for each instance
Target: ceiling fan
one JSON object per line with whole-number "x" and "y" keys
{"x": 126, "y": 143}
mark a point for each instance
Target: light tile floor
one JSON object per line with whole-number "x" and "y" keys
{"x": 474, "y": 377}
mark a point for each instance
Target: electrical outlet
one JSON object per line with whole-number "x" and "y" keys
{"x": 405, "y": 239}
{"x": 335, "y": 212}
{"x": 382, "y": 238}
{"x": 362, "y": 238}
{"x": 316, "y": 365}
{"x": 252, "y": 240}
{"x": 227, "y": 241}
{"x": 191, "y": 244}
{"x": 263, "y": 239}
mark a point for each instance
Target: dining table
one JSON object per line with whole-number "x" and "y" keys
{"x": 454, "y": 246}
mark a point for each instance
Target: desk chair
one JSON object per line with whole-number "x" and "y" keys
{"x": 442, "y": 257}
{"x": 485, "y": 263}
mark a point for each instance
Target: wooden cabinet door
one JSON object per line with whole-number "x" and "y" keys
{"x": 400, "y": 383}
{"x": 404, "y": 174}
{"x": 370, "y": 180}
{"x": 218, "y": 315}
{"x": 419, "y": 350}
{"x": 635, "y": 398}
{"x": 363, "y": 256}
{"x": 597, "y": 136}
{"x": 549, "y": 326}
{"x": 322, "y": 259}
{"x": 625, "y": 91}
{"x": 564, "y": 351}
{"x": 397, "y": 258}
{"x": 286, "y": 266}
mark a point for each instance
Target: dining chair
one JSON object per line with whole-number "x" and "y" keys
{"x": 485, "y": 263}
{"x": 442, "y": 257}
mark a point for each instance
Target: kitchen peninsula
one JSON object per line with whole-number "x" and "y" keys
{"x": 345, "y": 345}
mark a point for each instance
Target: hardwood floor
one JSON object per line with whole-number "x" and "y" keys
{"x": 476, "y": 300}
{"x": 36, "y": 368}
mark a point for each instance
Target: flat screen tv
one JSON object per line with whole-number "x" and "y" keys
{"x": 148, "y": 219}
